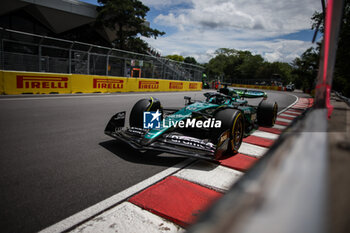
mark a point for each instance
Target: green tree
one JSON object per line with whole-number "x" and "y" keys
{"x": 306, "y": 68}
{"x": 286, "y": 72}
{"x": 217, "y": 65}
{"x": 230, "y": 64}
{"x": 234, "y": 65}
{"x": 306, "y": 64}
{"x": 250, "y": 65}
{"x": 341, "y": 81}
{"x": 176, "y": 57}
{"x": 231, "y": 69}
{"x": 127, "y": 19}
{"x": 190, "y": 60}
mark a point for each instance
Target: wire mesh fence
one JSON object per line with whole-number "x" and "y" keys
{"x": 29, "y": 52}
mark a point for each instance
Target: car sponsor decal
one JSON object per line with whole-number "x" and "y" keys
{"x": 185, "y": 140}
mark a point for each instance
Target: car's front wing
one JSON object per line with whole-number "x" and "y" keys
{"x": 170, "y": 142}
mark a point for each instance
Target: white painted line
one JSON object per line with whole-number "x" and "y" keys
{"x": 267, "y": 135}
{"x": 92, "y": 95}
{"x": 285, "y": 109}
{"x": 282, "y": 119}
{"x": 210, "y": 175}
{"x": 126, "y": 218}
{"x": 252, "y": 150}
{"x": 281, "y": 127}
{"x": 115, "y": 199}
{"x": 286, "y": 115}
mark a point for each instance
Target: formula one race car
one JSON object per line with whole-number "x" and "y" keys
{"x": 206, "y": 129}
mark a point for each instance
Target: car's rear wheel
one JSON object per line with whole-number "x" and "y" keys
{"x": 141, "y": 106}
{"x": 228, "y": 137}
{"x": 267, "y": 113}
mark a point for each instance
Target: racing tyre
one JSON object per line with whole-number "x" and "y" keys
{"x": 267, "y": 113}
{"x": 141, "y": 106}
{"x": 232, "y": 122}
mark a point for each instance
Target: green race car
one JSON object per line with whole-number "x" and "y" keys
{"x": 207, "y": 129}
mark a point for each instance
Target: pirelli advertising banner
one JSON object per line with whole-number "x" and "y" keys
{"x": 176, "y": 86}
{"x": 12, "y": 82}
{"x": 97, "y": 84}
{"x": 35, "y": 83}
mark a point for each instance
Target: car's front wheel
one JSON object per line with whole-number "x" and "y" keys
{"x": 229, "y": 136}
{"x": 141, "y": 106}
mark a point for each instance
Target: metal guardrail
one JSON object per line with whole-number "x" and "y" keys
{"x": 29, "y": 52}
{"x": 345, "y": 99}
{"x": 285, "y": 191}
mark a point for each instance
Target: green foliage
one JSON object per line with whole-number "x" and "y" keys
{"x": 306, "y": 67}
{"x": 317, "y": 21}
{"x": 250, "y": 64}
{"x": 190, "y": 60}
{"x": 179, "y": 58}
{"x": 176, "y": 57}
{"x": 127, "y": 19}
{"x": 232, "y": 64}
{"x": 341, "y": 81}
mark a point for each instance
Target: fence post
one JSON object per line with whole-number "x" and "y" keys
{"x": 2, "y": 51}
{"x": 39, "y": 53}
{"x": 163, "y": 71}
{"x": 88, "y": 60}
{"x": 88, "y": 63}
{"x": 153, "y": 67}
{"x": 70, "y": 58}
{"x": 125, "y": 68}
{"x": 107, "y": 62}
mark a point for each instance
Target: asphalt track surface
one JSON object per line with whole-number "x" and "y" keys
{"x": 56, "y": 160}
